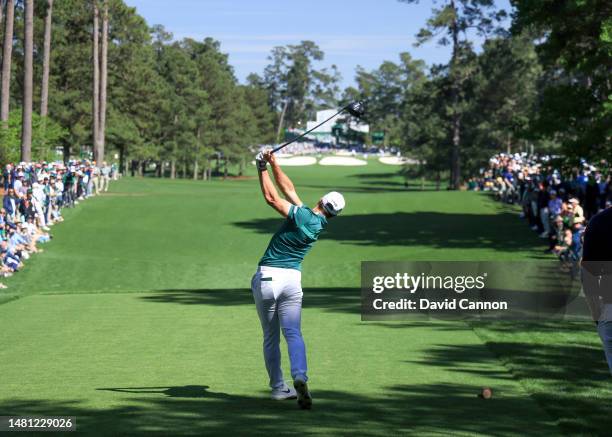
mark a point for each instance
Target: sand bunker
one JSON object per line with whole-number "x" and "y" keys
{"x": 297, "y": 160}
{"x": 345, "y": 153}
{"x": 396, "y": 160}
{"x": 341, "y": 160}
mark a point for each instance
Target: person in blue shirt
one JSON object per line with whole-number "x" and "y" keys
{"x": 276, "y": 285}
{"x": 10, "y": 203}
{"x": 554, "y": 204}
{"x": 8, "y": 176}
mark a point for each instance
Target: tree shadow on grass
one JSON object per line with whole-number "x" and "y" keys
{"x": 372, "y": 187}
{"x": 369, "y": 176}
{"x": 439, "y": 409}
{"x": 338, "y": 299}
{"x": 560, "y": 363}
{"x": 501, "y": 232}
{"x": 185, "y": 391}
{"x": 570, "y": 381}
{"x": 389, "y": 179}
{"x": 374, "y": 181}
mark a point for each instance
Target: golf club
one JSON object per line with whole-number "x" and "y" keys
{"x": 356, "y": 109}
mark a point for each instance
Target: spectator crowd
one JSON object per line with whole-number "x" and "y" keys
{"x": 556, "y": 204}
{"x": 34, "y": 195}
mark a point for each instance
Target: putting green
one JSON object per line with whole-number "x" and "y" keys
{"x": 138, "y": 318}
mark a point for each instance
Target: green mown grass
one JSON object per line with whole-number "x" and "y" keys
{"x": 138, "y": 318}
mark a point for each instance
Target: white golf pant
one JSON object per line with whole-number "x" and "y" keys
{"x": 278, "y": 298}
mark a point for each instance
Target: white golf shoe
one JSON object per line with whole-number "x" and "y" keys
{"x": 283, "y": 393}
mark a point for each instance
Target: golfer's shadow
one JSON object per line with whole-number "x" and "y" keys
{"x": 185, "y": 391}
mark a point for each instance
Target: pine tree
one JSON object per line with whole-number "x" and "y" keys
{"x": 28, "y": 71}
{"x": 44, "y": 93}
{"x": 7, "y": 50}
{"x": 452, "y": 20}
{"x": 99, "y": 152}
{"x": 96, "y": 79}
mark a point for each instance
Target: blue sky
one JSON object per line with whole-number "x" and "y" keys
{"x": 350, "y": 32}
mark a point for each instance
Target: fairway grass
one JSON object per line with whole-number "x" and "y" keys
{"x": 138, "y": 318}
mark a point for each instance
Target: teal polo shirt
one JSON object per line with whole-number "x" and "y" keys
{"x": 294, "y": 239}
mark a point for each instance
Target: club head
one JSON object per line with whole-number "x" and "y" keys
{"x": 356, "y": 109}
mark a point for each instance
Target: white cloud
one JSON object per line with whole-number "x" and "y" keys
{"x": 344, "y": 45}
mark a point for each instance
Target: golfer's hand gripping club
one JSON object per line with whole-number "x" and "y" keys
{"x": 260, "y": 161}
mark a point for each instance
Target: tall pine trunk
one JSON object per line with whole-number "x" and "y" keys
{"x": 1, "y": 11}
{"x": 196, "y": 154}
{"x": 206, "y": 167}
{"x": 7, "y": 50}
{"x": 44, "y": 92}
{"x": 66, "y": 153}
{"x": 103, "y": 81}
{"x": 455, "y": 181}
{"x": 28, "y": 66}
{"x": 96, "y": 80}
{"x": 173, "y": 169}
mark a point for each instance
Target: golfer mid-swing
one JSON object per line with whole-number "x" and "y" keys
{"x": 277, "y": 285}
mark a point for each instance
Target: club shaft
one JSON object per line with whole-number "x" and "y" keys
{"x": 276, "y": 149}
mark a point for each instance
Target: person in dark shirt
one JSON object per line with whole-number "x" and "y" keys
{"x": 597, "y": 276}
{"x": 543, "y": 198}
{"x": 591, "y": 200}
{"x": 26, "y": 208}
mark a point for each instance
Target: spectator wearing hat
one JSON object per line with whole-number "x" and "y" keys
{"x": 577, "y": 215}
{"x": 38, "y": 200}
{"x": 105, "y": 176}
{"x": 34, "y": 195}
{"x": 95, "y": 175}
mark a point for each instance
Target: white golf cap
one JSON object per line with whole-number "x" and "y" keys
{"x": 333, "y": 202}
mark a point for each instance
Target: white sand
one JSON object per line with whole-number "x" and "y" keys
{"x": 397, "y": 160}
{"x": 341, "y": 160}
{"x": 297, "y": 160}
{"x": 345, "y": 153}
